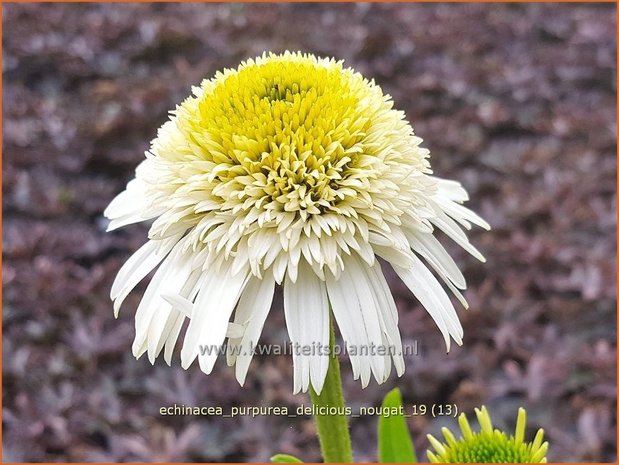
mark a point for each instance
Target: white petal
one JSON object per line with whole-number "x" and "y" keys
{"x": 431, "y": 249}
{"x": 388, "y": 315}
{"x": 307, "y": 318}
{"x": 158, "y": 334}
{"x": 461, "y": 214}
{"x": 217, "y": 297}
{"x": 401, "y": 258}
{"x": 279, "y": 268}
{"x": 180, "y": 303}
{"x": 235, "y": 330}
{"x": 252, "y": 310}
{"x": 432, "y": 296}
{"x": 451, "y": 189}
{"x": 174, "y": 281}
{"x": 139, "y": 349}
{"x": 130, "y": 206}
{"x": 150, "y": 304}
{"x": 449, "y": 195}
{"x": 124, "y": 221}
{"x": 184, "y": 281}
{"x": 454, "y": 291}
{"x": 173, "y": 337}
{"x": 128, "y": 201}
{"x": 142, "y": 262}
{"x": 347, "y": 313}
{"x": 356, "y": 303}
{"x": 451, "y": 228}
{"x": 244, "y": 310}
{"x": 152, "y": 319}
{"x": 182, "y": 308}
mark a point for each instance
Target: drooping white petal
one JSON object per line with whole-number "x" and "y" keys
{"x": 142, "y": 262}
{"x": 164, "y": 321}
{"x": 461, "y": 214}
{"x": 235, "y": 330}
{"x": 128, "y": 207}
{"x": 307, "y": 317}
{"x": 432, "y": 296}
{"x": 159, "y": 333}
{"x": 451, "y": 228}
{"x": 127, "y": 202}
{"x": 180, "y": 303}
{"x": 152, "y": 321}
{"x": 347, "y": 313}
{"x": 151, "y": 303}
{"x": 450, "y": 194}
{"x": 451, "y": 189}
{"x": 185, "y": 307}
{"x": 173, "y": 337}
{"x": 216, "y": 299}
{"x": 388, "y": 315}
{"x": 401, "y": 258}
{"x": 431, "y": 249}
{"x": 357, "y": 308}
{"x": 251, "y": 314}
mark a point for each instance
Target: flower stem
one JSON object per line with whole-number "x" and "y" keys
{"x": 332, "y": 429}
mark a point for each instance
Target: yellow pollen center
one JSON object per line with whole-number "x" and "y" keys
{"x": 287, "y": 155}
{"x": 284, "y": 136}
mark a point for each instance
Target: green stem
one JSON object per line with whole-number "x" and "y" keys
{"x": 332, "y": 429}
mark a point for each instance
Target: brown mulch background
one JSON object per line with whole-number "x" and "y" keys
{"x": 515, "y": 101}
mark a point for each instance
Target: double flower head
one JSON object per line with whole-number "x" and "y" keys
{"x": 290, "y": 170}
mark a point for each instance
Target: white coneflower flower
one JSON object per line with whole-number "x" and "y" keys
{"x": 296, "y": 171}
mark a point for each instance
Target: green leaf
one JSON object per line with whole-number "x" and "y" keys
{"x": 394, "y": 440}
{"x": 285, "y": 458}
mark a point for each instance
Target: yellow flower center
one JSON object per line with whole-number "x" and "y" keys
{"x": 286, "y": 135}
{"x": 288, "y": 155}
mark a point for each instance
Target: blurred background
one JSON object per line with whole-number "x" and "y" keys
{"x": 516, "y": 101}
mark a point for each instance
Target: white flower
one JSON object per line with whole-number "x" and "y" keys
{"x": 291, "y": 170}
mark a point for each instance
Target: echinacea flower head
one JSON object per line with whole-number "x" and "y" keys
{"x": 489, "y": 445}
{"x": 296, "y": 171}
